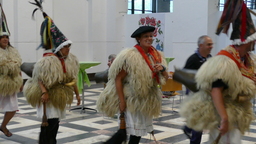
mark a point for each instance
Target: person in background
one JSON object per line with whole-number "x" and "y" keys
{"x": 10, "y": 76}
{"x": 226, "y": 81}
{"x": 194, "y": 62}
{"x": 132, "y": 88}
{"x": 111, "y": 58}
{"x": 103, "y": 75}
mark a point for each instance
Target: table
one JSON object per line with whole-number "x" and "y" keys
{"x": 83, "y": 78}
{"x": 172, "y": 86}
{"x": 168, "y": 60}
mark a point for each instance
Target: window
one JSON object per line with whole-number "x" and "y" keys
{"x": 140, "y": 6}
{"x": 251, "y": 4}
{"x": 171, "y": 6}
{"x": 149, "y": 6}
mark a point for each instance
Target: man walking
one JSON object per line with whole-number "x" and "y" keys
{"x": 194, "y": 62}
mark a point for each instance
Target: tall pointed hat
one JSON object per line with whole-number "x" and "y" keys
{"x": 51, "y": 37}
{"x": 237, "y": 13}
{"x": 3, "y": 27}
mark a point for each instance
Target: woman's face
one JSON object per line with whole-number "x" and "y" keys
{"x": 146, "y": 39}
{"x": 65, "y": 50}
{"x": 4, "y": 40}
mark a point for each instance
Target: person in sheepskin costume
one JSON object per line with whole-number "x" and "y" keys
{"x": 54, "y": 78}
{"x": 226, "y": 82}
{"x": 132, "y": 88}
{"x": 10, "y": 75}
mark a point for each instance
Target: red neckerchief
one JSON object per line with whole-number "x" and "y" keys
{"x": 156, "y": 59}
{"x": 247, "y": 69}
{"x": 62, "y": 60}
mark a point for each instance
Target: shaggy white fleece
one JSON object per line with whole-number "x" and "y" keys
{"x": 49, "y": 70}
{"x": 140, "y": 89}
{"x": 198, "y": 109}
{"x": 11, "y": 80}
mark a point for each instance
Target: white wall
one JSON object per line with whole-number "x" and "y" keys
{"x": 94, "y": 26}
{"x": 101, "y": 27}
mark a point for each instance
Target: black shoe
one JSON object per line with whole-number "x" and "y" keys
{"x": 188, "y": 134}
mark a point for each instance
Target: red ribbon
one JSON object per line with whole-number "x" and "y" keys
{"x": 226, "y": 53}
{"x": 156, "y": 58}
{"x": 243, "y": 26}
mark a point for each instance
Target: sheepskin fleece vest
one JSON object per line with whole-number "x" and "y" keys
{"x": 11, "y": 80}
{"x": 49, "y": 70}
{"x": 140, "y": 89}
{"x": 199, "y": 110}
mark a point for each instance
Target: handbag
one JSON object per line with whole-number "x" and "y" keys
{"x": 44, "y": 133}
{"x": 186, "y": 77}
{"x": 120, "y": 136}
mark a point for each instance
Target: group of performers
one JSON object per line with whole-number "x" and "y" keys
{"x": 226, "y": 82}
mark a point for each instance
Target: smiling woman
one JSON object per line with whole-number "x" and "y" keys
{"x": 132, "y": 88}
{"x": 4, "y": 41}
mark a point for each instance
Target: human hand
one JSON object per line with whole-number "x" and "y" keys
{"x": 78, "y": 100}
{"x": 45, "y": 97}
{"x": 223, "y": 127}
{"x": 122, "y": 106}
{"x": 158, "y": 67}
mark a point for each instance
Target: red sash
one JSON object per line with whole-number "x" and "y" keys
{"x": 156, "y": 58}
{"x": 245, "y": 72}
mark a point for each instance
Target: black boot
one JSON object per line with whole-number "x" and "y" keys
{"x": 134, "y": 139}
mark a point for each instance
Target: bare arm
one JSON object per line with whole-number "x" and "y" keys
{"x": 218, "y": 101}
{"x": 45, "y": 96}
{"x": 119, "y": 88}
{"x": 77, "y": 94}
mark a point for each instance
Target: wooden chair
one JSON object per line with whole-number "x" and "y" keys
{"x": 172, "y": 86}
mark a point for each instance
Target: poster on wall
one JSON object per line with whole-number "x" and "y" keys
{"x": 156, "y": 21}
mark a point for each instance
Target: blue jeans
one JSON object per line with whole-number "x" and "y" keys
{"x": 196, "y": 136}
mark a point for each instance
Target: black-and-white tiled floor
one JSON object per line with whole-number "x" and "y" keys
{"x": 94, "y": 128}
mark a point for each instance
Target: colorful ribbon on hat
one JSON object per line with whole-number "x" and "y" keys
{"x": 243, "y": 25}
{"x": 45, "y": 32}
{"x": 231, "y": 12}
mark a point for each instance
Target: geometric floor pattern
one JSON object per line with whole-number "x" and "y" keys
{"x": 89, "y": 127}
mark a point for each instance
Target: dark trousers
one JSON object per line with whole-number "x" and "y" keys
{"x": 53, "y": 130}
{"x": 54, "y": 127}
{"x": 134, "y": 139}
{"x": 196, "y": 136}
{"x": 48, "y": 134}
